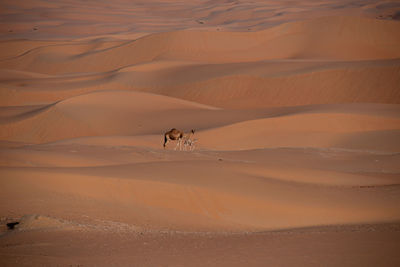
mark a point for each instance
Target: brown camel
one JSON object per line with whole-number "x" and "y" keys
{"x": 177, "y": 135}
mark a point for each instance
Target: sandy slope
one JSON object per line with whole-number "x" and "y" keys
{"x": 303, "y": 247}
{"x": 353, "y": 60}
{"x": 252, "y": 190}
{"x": 66, "y": 19}
{"x": 339, "y": 38}
{"x": 297, "y": 119}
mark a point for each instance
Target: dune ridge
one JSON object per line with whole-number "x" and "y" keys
{"x": 354, "y": 39}
{"x": 262, "y": 69}
{"x": 86, "y": 115}
{"x": 214, "y": 203}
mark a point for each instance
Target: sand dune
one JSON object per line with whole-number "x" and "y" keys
{"x": 133, "y": 113}
{"x": 239, "y": 85}
{"x": 354, "y": 60}
{"x": 326, "y": 85}
{"x": 101, "y": 113}
{"x": 317, "y": 130}
{"x": 339, "y": 38}
{"x": 58, "y": 20}
{"x": 297, "y": 143}
{"x": 220, "y": 201}
{"x": 223, "y": 186}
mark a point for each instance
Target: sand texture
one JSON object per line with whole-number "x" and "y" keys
{"x": 296, "y": 153}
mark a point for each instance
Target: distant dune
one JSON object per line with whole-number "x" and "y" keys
{"x": 338, "y": 38}
{"x": 353, "y": 60}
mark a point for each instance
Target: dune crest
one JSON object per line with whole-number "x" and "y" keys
{"x": 339, "y": 38}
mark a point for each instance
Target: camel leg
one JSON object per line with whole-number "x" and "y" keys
{"x": 177, "y": 144}
{"x": 166, "y": 139}
{"x": 193, "y": 144}
{"x": 190, "y": 144}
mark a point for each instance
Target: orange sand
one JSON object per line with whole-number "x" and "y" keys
{"x": 296, "y": 106}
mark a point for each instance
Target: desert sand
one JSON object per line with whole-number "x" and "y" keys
{"x": 296, "y": 107}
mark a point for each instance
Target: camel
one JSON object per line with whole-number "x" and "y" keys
{"x": 177, "y": 135}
